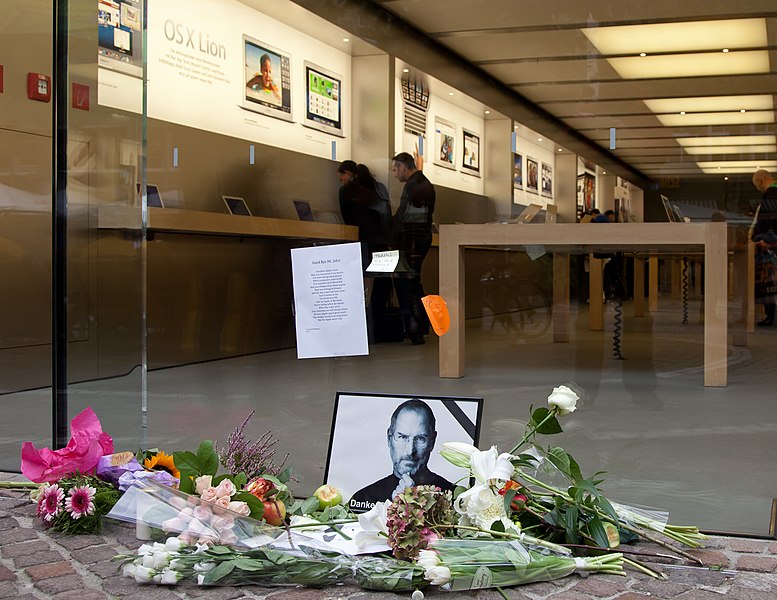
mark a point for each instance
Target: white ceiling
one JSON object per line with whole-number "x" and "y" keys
{"x": 539, "y": 49}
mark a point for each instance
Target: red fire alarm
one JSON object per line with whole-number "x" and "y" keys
{"x": 80, "y": 96}
{"x": 38, "y": 87}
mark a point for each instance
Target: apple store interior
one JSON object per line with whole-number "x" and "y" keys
{"x": 166, "y": 164}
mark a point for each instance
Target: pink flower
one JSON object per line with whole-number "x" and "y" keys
{"x": 429, "y": 535}
{"x": 222, "y": 502}
{"x": 88, "y": 443}
{"x": 209, "y": 495}
{"x": 240, "y": 508}
{"x": 202, "y": 513}
{"x": 50, "y": 503}
{"x": 225, "y": 489}
{"x": 79, "y": 501}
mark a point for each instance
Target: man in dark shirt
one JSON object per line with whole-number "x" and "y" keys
{"x": 413, "y": 237}
{"x": 411, "y": 437}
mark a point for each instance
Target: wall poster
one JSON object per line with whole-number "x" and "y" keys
{"x": 445, "y": 143}
{"x": 547, "y": 180}
{"x": 517, "y": 171}
{"x": 532, "y": 175}
{"x": 470, "y": 161}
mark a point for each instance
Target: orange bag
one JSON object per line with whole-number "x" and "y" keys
{"x": 437, "y": 311}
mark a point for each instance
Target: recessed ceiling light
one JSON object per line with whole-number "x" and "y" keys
{"x": 725, "y": 50}
{"x": 643, "y": 54}
{"x": 742, "y": 110}
{"x": 560, "y": 150}
{"x": 702, "y": 64}
{"x": 488, "y": 112}
{"x": 682, "y": 112}
{"x": 450, "y": 93}
{"x": 735, "y": 166}
{"x": 732, "y": 149}
{"x": 406, "y": 70}
{"x": 539, "y": 139}
{"x": 604, "y": 172}
{"x": 725, "y": 178}
{"x": 346, "y": 40}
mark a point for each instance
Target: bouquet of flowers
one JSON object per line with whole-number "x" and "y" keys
{"x": 75, "y": 503}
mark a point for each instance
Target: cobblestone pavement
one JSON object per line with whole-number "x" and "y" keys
{"x": 36, "y": 563}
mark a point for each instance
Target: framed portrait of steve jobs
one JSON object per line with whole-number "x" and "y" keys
{"x": 381, "y": 444}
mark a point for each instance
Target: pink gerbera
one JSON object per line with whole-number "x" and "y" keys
{"x": 50, "y": 502}
{"x": 79, "y": 501}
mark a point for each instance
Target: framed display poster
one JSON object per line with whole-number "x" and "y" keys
{"x": 380, "y": 444}
{"x": 589, "y": 192}
{"x": 267, "y": 79}
{"x": 324, "y": 100}
{"x": 547, "y": 180}
{"x": 580, "y": 196}
{"x": 470, "y": 160}
{"x": 518, "y": 171}
{"x": 532, "y": 175}
{"x": 445, "y": 142}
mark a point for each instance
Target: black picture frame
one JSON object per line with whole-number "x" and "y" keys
{"x": 532, "y": 175}
{"x": 546, "y": 180}
{"x": 470, "y": 153}
{"x": 358, "y": 453}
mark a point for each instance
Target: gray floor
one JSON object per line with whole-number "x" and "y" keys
{"x": 664, "y": 440}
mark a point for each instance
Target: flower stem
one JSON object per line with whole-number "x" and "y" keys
{"x": 646, "y": 570}
{"x": 20, "y": 485}
{"x": 521, "y": 537}
{"x": 530, "y": 432}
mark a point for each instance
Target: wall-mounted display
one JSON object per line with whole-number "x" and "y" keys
{"x": 470, "y": 161}
{"x": 324, "y": 100}
{"x": 119, "y": 36}
{"x": 586, "y": 192}
{"x": 445, "y": 143}
{"x": 547, "y": 180}
{"x": 518, "y": 171}
{"x": 267, "y": 85}
{"x": 532, "y": 175}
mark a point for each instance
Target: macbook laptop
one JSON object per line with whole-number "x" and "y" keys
{"x": 153, "y": 198}
{"x": 236, "y": 206}
{"x": 304, "y": 212}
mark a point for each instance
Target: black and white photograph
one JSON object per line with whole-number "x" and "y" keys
{"x": 381, "y": 444}
{"x": 547, "y": 180}
{"x": 470, "y": 160}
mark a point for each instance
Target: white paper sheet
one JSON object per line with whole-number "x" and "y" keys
{"x": 329, "y": 301}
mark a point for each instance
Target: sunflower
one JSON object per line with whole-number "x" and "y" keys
{"x": 164, "y": 462}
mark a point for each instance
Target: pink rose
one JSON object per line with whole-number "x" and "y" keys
{"x": 203, "y": 513}
{"x": 225, "y": 489}
{"x": 221, "y": 524}
{"x": 240, "y": 508}
{"x": 222, "y": 502}
{"x": 209, "y": 495}
{"x": 202, "y": 483}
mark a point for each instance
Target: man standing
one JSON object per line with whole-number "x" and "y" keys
{"x": 413, "y": 236}
{"x": 411, "y": 437}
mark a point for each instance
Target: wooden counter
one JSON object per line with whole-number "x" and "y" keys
{"x": 175, "y": 220}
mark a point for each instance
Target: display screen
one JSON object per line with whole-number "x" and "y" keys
{"x": 118, "y": 35}
{"x": 324, "y": 99}
{"x": 267, "y": 79}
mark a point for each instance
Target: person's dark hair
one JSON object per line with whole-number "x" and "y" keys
{"x": 364, "y": 177}
{"x": 607, "y": 213}
{"x": 347, "y": 166}
{"x": 405, "y": 159}
{"x": 417, "y": 406}
{"x": 595, "y": 211}
{"x": 265, "y": 58}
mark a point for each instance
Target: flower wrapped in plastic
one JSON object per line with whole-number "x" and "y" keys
{"x": 475, "y": 564}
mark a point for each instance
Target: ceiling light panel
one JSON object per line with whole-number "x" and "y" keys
{"x": 716, "y": 118}
{"x": 724, "y": 140}
{"x": 694, "y": 150}
{"x": 704, "y": 64}
{"x": 736, "y": 166}
{"x": 692, "y": 36}
{"x": 711, "y": 103}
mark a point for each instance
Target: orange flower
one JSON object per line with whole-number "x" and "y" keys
{"x": 164, "y": 462}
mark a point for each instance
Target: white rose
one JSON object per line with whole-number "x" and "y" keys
{"x": 128, "y": 570}
{"x": 225, "y": 489}
{"x": 170, "y": 577}
{"x": 564, "y": 399}
{"x": 202, "y": 483}
{"x": 144, "y": 574}
{"x": 145, "y": 549}
{"x": 161, "y": 559}
{"x": 240, "y": 508}
{"x": 173, "y": 544}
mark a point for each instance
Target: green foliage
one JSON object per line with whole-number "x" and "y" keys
{"x": 191, "y": 465}
{"x": 549, "y": 427}
{"x": 105, "y": 497}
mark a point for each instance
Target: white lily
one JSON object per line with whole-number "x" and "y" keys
{"x": 458, "y": 453}
{"x": 372, "y": 524}
{"x": 488, "y": 465}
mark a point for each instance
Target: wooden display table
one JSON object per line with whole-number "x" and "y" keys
{"x": 563, "y": 239}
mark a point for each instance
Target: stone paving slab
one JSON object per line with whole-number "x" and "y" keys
{"x": 38, "y": 564}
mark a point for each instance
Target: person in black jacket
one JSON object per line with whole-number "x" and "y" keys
{"x": 413, "y": 237}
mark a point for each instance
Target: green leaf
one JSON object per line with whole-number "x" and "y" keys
{"x": 285, "y": 475}
{"x": 310, "y": 505}
{"x": 550, "y": 426}
{"x": 219, "y": 550}
{"x": 597, "y": 532}
{"x": 509, "y": 496}
{"x": 219, "y": 571}
{"x": 249, "y": 564}
{"x": 187, "y": 461}
{"x": 240, "y": 480}
{"x": 560, "y": 459}
{"x": 571, "y": 516}
{"x": 208, "y": 459}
